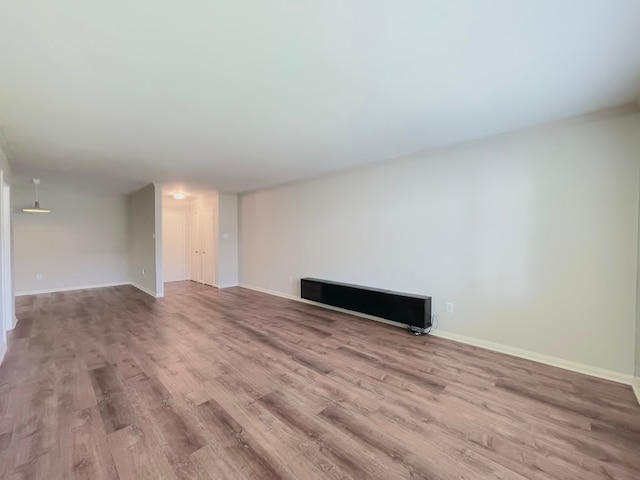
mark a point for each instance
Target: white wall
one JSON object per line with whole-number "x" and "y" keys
{"x": 532, "y": 236}
{"x": 227, "y": 240}
{"x": 83, "y": 242}
{"x": 143, "y": 236}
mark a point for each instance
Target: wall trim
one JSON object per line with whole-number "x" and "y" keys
{"x": 15, "y": 322}
{"x": 3, "y": 350}
{"x": 85, "y": 287}
{"x": 69, "y": 289}
{"x": 538, "y": 357}
{"x": 144, "y": 289}
{"x": 635, "y": 385}
{"x": 228, "y": 285}
{"x": 476, "y": 342}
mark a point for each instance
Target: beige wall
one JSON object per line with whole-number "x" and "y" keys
{"x": 142, "y": 239}
{"x": 532, "y": 237}
{"x": 82, "y": 242}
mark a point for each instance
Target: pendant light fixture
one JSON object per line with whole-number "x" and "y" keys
{"x": 36, "y": 205}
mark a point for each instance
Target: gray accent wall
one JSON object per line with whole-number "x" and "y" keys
{"x": 145, "y": 239}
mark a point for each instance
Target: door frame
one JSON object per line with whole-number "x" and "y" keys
{"x": 195, "y": 241}
{"x": 210, "y": 256}
{"x": 6, "y": 283}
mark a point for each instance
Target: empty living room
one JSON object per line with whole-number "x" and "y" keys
{"x": 320, "y": 240}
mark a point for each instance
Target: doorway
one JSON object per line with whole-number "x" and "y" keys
{"x": 207, "y": 247}
{"x": 202, "y": 245}
{"x": 189, "y": 242}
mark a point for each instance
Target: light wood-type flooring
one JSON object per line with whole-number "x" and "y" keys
{"x": 185, "y": 286}
{"x": 234, "y": 384}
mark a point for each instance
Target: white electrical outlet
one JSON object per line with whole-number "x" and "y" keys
{"x": 38, "y": 276}
{"x": 449, "y": 307}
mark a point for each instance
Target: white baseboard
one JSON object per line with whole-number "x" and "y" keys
{"x": 228, "y": 285}
{"x": 538, "y": 357}
{"x": 70, "y": 289}
{"x": 496, "y": 347}
{"x": 15, "y": 322}
{"x": 3, "y": 350}
{"x": 635, "y": 385}
{"x": 271, "y": 292}
{"x": 144, "y": 289}
{"x": 87, "y": 287}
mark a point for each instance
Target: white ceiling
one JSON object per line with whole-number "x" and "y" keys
{"x": 242, "y": 94}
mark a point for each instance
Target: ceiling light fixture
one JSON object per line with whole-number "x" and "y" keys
{"x": 36, "y": 205}
{"x": 178, "y": 196}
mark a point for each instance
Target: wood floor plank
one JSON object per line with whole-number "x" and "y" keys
{"x": 113, "y": 400}
{"x": 91, "y": 457}
{"x": 233, "y": 384}
{"x": 136, "y": 457}
{"x": 355, "y": 460}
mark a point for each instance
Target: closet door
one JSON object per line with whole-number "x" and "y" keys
{"x": 195, "y": 246}
{"x": 173, "y": 249}
{"x": 208, "y": 247}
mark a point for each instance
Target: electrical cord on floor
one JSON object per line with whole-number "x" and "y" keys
{"x": 416, "y": 331}
{"x": 434, "y": 323}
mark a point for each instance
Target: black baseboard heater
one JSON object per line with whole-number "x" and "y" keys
{"x": 412, "y": 310}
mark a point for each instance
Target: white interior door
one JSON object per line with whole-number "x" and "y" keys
{"x": 173, "y": 248}
{"x": 194, "y": 247}
{"x": 208, "y": 247}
